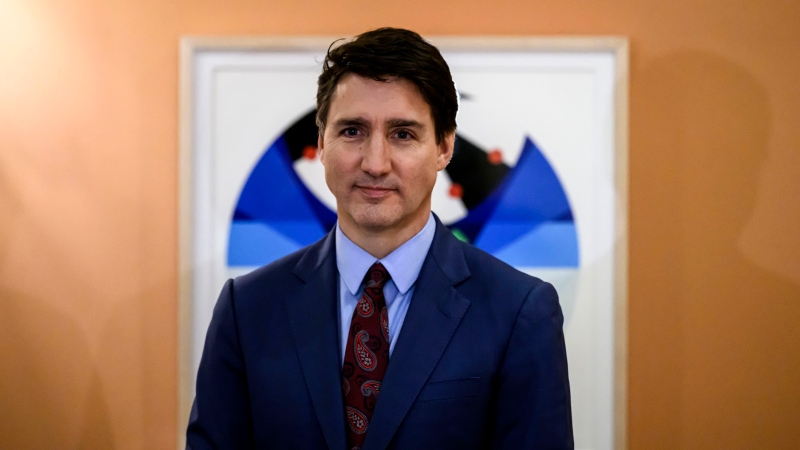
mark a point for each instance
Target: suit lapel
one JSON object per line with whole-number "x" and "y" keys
{"x": 435, "y": 311}
{"x": 313, "y": 316}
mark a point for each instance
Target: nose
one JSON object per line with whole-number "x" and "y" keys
{"x": 376, "y": 158}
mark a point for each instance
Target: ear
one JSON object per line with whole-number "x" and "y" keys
{"x": 445, "y": 150}
{"x": 320, "y": 149}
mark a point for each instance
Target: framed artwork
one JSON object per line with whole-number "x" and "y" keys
{"x": 538, "y": 179}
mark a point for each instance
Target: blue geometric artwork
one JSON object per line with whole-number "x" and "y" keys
{"x": 519, "y": 214}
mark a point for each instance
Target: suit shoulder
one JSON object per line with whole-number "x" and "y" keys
{"x": 281, "y": 271}
{"x": 488, "y": 268}
{"x": 498, "y": 290}
{"x": 278, "y": 268}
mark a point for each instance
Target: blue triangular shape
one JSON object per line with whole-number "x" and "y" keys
{"x": 532, "y": 194}
{"x": 275, "y": 196}
{"x": 272, "y": 191}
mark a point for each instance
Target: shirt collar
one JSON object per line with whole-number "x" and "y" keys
{"x": 403, "y": 264}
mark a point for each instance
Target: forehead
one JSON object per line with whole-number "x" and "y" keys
{"x": 357, "y": 96}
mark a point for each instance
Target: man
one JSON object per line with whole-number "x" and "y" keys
{"x": 389, "y": 332}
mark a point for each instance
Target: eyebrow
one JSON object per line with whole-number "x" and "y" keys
{"x": 395, "y": 123}
{"x": 350, "y": 122}
{"x": 405, "y": 123}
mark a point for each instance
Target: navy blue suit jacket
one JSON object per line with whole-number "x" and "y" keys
{"x": 480, "y": 361}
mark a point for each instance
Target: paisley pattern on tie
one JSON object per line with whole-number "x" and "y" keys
{"x": 366, "y": 356}
{"x": 370, "y": 387}
{"x": 356, "y": 419}
{"x": 365, "y": 306}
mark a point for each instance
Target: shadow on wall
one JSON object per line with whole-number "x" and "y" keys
{"x": 50, "y": 392}
{"x": 713, "y": 337}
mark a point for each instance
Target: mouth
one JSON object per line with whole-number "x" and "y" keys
{"x": 375, "y": 192}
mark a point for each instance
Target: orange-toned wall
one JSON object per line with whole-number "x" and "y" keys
{"x": 88, "y": 206}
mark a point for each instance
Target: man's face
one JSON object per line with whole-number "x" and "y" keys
{"x": 380, "y": 155}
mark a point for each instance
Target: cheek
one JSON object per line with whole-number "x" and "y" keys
{"x": 425, "y": 171}
{"x": 331, "y": 175}
{"x": 336, "y": 173}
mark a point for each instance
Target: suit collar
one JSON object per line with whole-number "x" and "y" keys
{"x": 446, "y": 251}
{"x": 318, "y": 253}
{"x": 312, "y": 312}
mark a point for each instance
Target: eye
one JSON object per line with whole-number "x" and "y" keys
{"x": 403, "y": 135}
{"x": 350, "y": 132}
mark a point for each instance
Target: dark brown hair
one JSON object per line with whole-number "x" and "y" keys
{"x": 386, "y": 53}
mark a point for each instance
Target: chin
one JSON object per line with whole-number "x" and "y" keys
{"x": 377, "y": 218}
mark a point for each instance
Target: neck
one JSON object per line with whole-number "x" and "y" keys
{"x": 379, "y": 242}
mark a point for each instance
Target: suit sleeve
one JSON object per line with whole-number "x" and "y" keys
{"x": 533, "y": 403}
{"x": 220, "y": 416}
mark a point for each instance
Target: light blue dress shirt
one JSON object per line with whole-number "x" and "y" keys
{"x": 403, "y": 266}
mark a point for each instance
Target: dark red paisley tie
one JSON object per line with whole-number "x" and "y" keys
{"x": 366, "y": 356}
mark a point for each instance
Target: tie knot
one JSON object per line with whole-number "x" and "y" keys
{"x": 377, "y": 275}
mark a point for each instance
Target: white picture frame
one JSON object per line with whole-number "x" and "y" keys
{"x": 238, "y": 94}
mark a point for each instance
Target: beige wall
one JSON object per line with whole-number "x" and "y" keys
{"x": 88, "y": 210}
